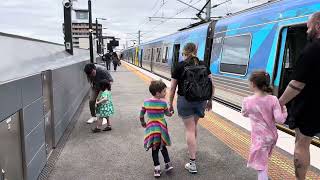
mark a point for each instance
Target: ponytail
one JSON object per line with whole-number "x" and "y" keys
{"x": 261, "y": 79}
{"x": 190, "y": 51}
{"x": 267, "y": 89}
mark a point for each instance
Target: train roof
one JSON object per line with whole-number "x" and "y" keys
{"x": 178, "y": 33}
{"x": 268, "y": 12}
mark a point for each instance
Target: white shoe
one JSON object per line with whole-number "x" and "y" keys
{"x": 91, "y": 120}
{"x": 191, "y": 167}
{"x": 157, "y": 172}
{"x": 104, "y": 121}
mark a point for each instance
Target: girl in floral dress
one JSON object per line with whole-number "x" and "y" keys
{"x": 104, "y": 106}
{"x": 264, "y": 112}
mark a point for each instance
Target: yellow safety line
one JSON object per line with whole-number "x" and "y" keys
{"x": 280, "y": 167}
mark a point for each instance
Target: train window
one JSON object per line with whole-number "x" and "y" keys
{"x": 148, "y": 55}
{"x": 165, "y": 55}
{"x": 158, "y": 53}
{"x": 235, "y": 54}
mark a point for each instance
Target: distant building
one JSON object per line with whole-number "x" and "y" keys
{"x": 80, "y": 27}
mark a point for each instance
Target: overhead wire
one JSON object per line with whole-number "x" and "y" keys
{"x": 179, "y": 12}
{"x": 161, "y": 6}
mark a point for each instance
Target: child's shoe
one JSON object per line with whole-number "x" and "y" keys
{"x": 108, "y": 128}
{"x": 157, "y": 172}
{"x": 191, "y": 167}
{"x": 96, "y": 130}
{"x": 168, "y": 167}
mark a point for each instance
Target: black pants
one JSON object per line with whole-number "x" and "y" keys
{"x": 108, "y": 65}
{"x": 155, "y": 155}
{"x": 115, "y": 65}
{"x": 92, "y": 101}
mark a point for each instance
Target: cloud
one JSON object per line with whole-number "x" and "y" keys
{"x": 42, "y": 19}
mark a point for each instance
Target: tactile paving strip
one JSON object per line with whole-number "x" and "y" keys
{"x": 280, "y": 166}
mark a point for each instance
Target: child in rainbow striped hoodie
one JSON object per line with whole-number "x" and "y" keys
{"x": 156, "y": 131}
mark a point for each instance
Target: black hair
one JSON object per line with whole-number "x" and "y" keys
{"x": 261, "y": 80}
{"x": 104, "y": 84}
{"x": 156, "y": 86}
{"x": 88, "y": 68}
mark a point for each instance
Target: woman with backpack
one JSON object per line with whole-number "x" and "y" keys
{"x": 195, "y": 92}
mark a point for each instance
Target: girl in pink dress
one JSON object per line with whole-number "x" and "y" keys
{"x": 264, "y": 112}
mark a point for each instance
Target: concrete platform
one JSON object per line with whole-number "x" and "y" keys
{"x": 119, "y": 154}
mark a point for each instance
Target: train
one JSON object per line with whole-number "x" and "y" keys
{"x": 267, "y": 37}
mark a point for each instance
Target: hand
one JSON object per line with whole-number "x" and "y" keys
{"x": 143, "y": 124}
{"x": 284, "y": 109}
{"x": 209, "y": 105}
{"x": 171, "y": 110}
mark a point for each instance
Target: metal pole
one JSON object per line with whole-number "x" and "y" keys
{"x": 68, "y": 28}
{"x": 139, "y": 37}
{"x": 90, "y": 31}
{"x": 97, "y": 35}
{"x": 208, "y": 10}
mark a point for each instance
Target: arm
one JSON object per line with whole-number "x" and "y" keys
{"x": 294, "y": 88}
{"x": 209, "y": 103}
{"x": 279, "y": 114}
{"x": 101, "y": 101}
{"x": 174, "y": 84}
{"x": 244, "y": 110}
{"x": 107, "y": 76}
{"x": 167, "y": 112}
{"x": 142, "y": 113}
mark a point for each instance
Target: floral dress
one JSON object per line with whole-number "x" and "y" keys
{"x": 105, "y": 109}
{"x": 264, "y": 112}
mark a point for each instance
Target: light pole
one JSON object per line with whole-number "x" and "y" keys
{"x": 90, "y": 31}
{"x": 99, "y": 35}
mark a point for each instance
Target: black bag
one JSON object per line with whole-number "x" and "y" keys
{"x": 197, "y": 84}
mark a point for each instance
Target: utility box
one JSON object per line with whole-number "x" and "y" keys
{"x": 10, "y": 149}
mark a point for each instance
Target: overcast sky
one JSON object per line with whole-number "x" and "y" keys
{"x": 42, "y": 19}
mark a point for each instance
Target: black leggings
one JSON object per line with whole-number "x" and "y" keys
{"x": 155, "y": 155}
{"x": 115, "y": 65}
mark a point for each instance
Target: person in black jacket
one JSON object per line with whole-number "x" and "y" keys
{"x": 107, "y": 59}
{"x": 95, "y": 73}
{"x": 115, "y": 61}
{"x": 304, "y": 90}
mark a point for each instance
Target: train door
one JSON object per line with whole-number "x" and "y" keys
{"x": 293, "y": 40}
{"x": 151, "y": 60}
{"x": 175, "y": 57}
{"x": 141, "y": 56}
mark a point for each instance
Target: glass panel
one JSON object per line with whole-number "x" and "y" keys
{"x": 165, "y": 55}
{"x": 236, "y": 51}
{"x": 158, "y": 53}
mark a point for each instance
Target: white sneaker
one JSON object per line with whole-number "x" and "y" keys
{"x": 168, "y": 167}
{"x": 191, "y": 167}
{"x": 157, "y": 172}
{"x": 91, "y": 120}
{"x": 104, "y": 121}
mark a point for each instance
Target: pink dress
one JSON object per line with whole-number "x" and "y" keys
{"x": 264, "y": 112}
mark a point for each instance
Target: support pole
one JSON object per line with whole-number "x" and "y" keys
{"x": 98, "y": 37}
{"x": 90, "y": 31}
{"x": 208, "y": 10}
{"x": 139, "y": 37}
{"x": 68, "y": 28}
